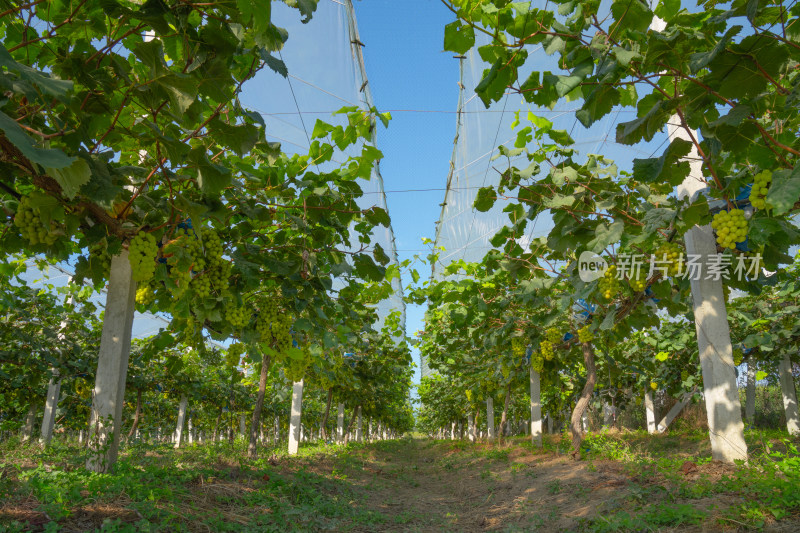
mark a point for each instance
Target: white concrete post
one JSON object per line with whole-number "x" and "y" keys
{"x": 536, "y": 408}
{"x": 276, "y": 430}
{"x": 191, "y": 431}
{"x": 750, "y": 391}
{"x": 452, "y": 431}
{"x": 675, "y": 411}
{"x": 649, "y": 410}
{"x": 358, "y": 425}
{"x": 112, "y": 366}
{"x": 294, "y": 418}
{"x": 490, "y": 417}
{"x": 242, "y": 425}
{"x": 789, "y": 396}
{"x": 723, "y": 409}
{"x": 53, "y": 392}
{"x": 340, "y": 424}
{"x": 181, "y": 418}
{"x": 51, "y": 403}
{"x": 471, "y": 427}
{"x": 30, "y": 420}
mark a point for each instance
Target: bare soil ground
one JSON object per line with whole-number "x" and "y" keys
{"x": 413, "y": 485}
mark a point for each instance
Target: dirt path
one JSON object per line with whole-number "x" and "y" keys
{"x": 423, "y": 486}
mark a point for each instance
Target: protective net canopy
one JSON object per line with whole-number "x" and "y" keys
{"x": 476, "y": 162}
{"x": 325, "y": 72}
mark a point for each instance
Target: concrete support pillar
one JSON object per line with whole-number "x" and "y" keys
{"x": 725, "y": 427}
{"x": 358, "y": 425}
{"x": 789, "y": 396}
{"x": 471, "y": 427}
{"x": 750, "y": 391}
{"x": 53, "y": 393}
{"x": 112, "y": 366}
{"x": 191, "y": 431}
{"x": 276, "y": 430}
{"x": 340, "y": 424}
{"x": 675, "y": 411}
{"x": 243, "y": 425}
{"x": 51, "y": 403}
{"x": 650, "y": 411}
{"x": 452, "y": 431}
{"x": 294, "y": 417}
{"x": 181, "y": 418}
{"x": 490, "y": 417}
{"x": 30, "y": 421}
{"x": 723, "y": 408}
{"x": 536, "y": 408}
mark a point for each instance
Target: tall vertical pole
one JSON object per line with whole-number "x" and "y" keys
{"x": 789, "y": 396}
{"x": 51, "y": 403}
{"x": 490, "y": 417}
{"x": 536, "y": 409}
{"x": 294, "y": 419}
{"x": 471, "y": 427}
{"x": 750, "y": 391}
{"x": 358, "y": 425}
{"x": 340, "y": 424}
{"x": 650, "y": 411}
{"x": 723, "y": 408}
{"x": 112, "y": 366}
{"x": 53, "y": 392}
{"x": 30, "y": 420}
{"x": 181, "y": 417}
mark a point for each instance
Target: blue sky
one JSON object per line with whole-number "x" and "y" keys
{"x": 408, "y": 70}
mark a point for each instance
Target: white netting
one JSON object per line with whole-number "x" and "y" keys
{"x": 326, "y": 73}
{"x": 465, "y": 232}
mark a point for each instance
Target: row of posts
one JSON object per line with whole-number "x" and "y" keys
{"x": 787, "y": 389}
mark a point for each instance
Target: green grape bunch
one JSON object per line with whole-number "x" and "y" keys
{"x": 537, "y": 362}
{"x": 211, "y": 243}
{"x": 98, "y": 256}
{"x": 553, "y": 336}
{"x": 731, "y": 227}
{"x": 518, "y": 346}
{"x": 145, "y": 295}
{"x": 547, "y": 350}
{"x": 295, "y": 369}
{"x": 201, "y": 285}
{"x": 670, "y": 254}
{"x": 29, "y": 221}
{"x": 609, "y": 284}
{"x": 237, "y": 316}
{"x": 274, "y": 328}
{"x": 234, "y": 355}
{"x": 759, "y": 189}
{"x": 195, "y": 250}
{"x": 638, "y": 282}
{"x": 585, "y": 334}
{"x": 142, "y": 253}
{"x": 738, "y": 356}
